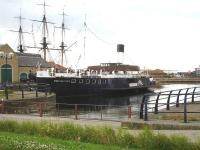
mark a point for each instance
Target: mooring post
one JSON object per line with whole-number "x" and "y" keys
{"x": 76, "y": 112}
{"x": 185, "y": 106}
{"x": 193, "y": 94}
{"x": 177, "y": 99}
{"x": 168, "y": 100}
{"x": 145, "y": 109}
{"x": 156, "y": 104}
{"x": 142, "y": 107}
{"x": 129, "y": 112}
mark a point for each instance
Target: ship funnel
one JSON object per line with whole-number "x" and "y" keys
{"x": 120, "y": 52}
{"x": 120, "y": 48}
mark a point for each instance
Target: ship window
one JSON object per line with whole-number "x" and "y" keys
{"x": 93, "y": 81}
{"x": 67, "y": 81}
{"x": 88, "y": 81}
{"x": 105, "y": 81}
{"x": 73, "y": 81}
{"x": 99, "y": 81}
{"x": 81, "y": 81}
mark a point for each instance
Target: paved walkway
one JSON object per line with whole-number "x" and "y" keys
{"x": 193, "y": 135}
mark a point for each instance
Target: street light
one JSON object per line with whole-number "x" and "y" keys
{"x": 6, "y": 56}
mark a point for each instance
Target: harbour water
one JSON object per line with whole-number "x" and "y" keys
{"x": 123, "y": 100}
{"x": 116, "y": 107}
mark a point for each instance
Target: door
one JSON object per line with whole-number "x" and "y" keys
{"x": 6, "y": 73}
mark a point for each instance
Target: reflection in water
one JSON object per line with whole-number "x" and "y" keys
{"x": 98, "y": 100}
{"x": 119, "y": 100}
{"x": 115, "y": 107}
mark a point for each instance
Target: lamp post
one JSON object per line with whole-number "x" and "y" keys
{"x": 5, "y": 56}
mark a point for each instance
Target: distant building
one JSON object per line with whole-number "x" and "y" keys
{"x": 157, "y": 73}
{"x": 21, "y": 64}
{"x": 197, "y": 72}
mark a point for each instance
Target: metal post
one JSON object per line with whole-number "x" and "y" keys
{"x": 145, "y": 109}
{"x": 177, "y": 100}
{"x": 101, "y": 113}
{"x": 142, "y": 107}
{"x": 58, "y": 108}
{"x": 156, "y": 104}
{"x": 2, "y": 107}
{"x": 129, "y": 112}
{"x": 193, "y": 94}
{"x": 6, "y": 88}
{"x": 36, "y": 92}
{"x": 76, "y": 112}
{"x": 40, "y": 108}
{"x": 168, "y": 100}
{"x": 185, "y": 106}
{"x": 46, "y": 91}
{"x": 22, "y": 93}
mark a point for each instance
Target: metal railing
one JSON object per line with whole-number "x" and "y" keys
{"x": 72, "y": 111}
{"x": 158, "y": 102}
{"x": 22, "y": 91}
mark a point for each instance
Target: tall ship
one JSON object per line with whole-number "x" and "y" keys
{"x": 103, "y": 79}
{"x": 106, "y": 78}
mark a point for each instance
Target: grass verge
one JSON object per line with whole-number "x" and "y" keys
{"x": 99, "y": 135}
{"x": 13, "y": 141}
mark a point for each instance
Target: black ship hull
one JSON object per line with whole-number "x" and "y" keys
{"x": 66, "y": 87}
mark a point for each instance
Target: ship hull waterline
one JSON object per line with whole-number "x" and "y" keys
{"x": 77, "y": 87}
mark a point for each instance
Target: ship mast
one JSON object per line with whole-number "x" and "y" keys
{"x": 20, "y": 47}
{"x": 84, "y": 45}
{"x": 44, "y": 21}
{"x": 62, "y": 45}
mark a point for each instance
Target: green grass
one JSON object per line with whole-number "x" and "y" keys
{"x": 119, "y": 139}
{"x": 13, "y": 141}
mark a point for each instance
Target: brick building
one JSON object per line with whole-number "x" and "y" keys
{"x": 20, "y": 65}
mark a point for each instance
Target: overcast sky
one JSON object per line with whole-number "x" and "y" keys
{"x": 162, "y": 34}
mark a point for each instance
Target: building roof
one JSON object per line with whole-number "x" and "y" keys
{"x": 6, "y": 47}
{"x": 26, "y": 59}
{"x": 31, "y": 60}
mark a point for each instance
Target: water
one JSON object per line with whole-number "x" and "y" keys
{"x": 116, "y": 107}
